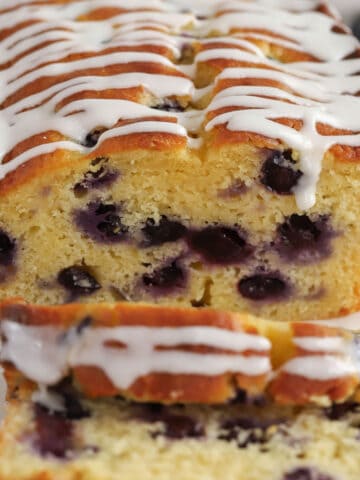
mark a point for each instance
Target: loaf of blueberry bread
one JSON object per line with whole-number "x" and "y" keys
{"x": 198, "y": 153}
{"x": 249, "y": 439}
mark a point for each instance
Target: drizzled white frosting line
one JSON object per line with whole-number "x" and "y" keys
{"x": 329, "y": 358}
{"x": 44, "y": 354}
{"x": 321, "y": 344}
{"x": 320, "y": 367}
{"x": 36, "y": 352}
{"x": 349, "y": 322}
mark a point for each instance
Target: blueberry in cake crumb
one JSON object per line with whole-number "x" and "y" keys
{"x": 245, "y": 431}
{"x": 174, "y": 426}
{"x": 78, "y": 281}
{"x": 263, "y": 286}
{"x": 92, "y": 137}
{"x": 99, "y": 176}
{"x": 7, "y": 248}
{"x": 220, "y": 245}
{"x": 102, "y": 222}
{"x": 278, "y": 173}
{"x": 74, "y": 410}
{"x": 168, "y": 277}
{"x": 303, "y": 473}
{"x": 169, "y": 105}
{"x": 243, "y": 398}
{"x": 302, "y": 239}
{"x": 340, "y": 410}
{"x": 54, "y": 433}
{"x": 165, "y": 231}
{"x": 182, "y": 426}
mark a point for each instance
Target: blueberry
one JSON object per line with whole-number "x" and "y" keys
{"x": 92, "y": 137}
{"x": 262, "y": 286}
{"x": 73, "y": 407}
{"x": 247, "y": 430}
{"x": 303, "y": 239}
{"x": 7, "y": 249}
{"x": 220, "y": 245}
{"x": 96, "y": 178}
{"x": 169, "y": 105}
{"x": 102, "y": 222}
{"x": 78, "y": 281}
{"x": 278, "y": 174}
{"x": 182, "y": 426}
{"x": 151, "y": 411}
{"x": 340, "y": 410}
{"x": 175, "y": 426}
{"x": 304, "y": 473}
{"x": 165, "y": 231}
{"x": 54, "y": 433}
{"x": 170, "y": 276}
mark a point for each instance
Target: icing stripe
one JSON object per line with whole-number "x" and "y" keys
{"x": 53, "y": 351}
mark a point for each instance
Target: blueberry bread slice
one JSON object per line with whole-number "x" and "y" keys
{"x": 175, "y": 355}
{"x": 71, "y": 437}
{"x": 161, "y": 151}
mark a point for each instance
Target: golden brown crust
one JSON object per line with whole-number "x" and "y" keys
{"x": 294, "y": 389}
{"x": 168, "y": 388}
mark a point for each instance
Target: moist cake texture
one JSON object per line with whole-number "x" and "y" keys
{"x": 194, "y": 155}
{"x": 107, "y": 439}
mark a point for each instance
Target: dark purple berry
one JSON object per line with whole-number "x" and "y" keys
{"x": 78, "y": 281}
{"x": 92, "y": 137}
{"x": 245, "y": 430}
{"x": 243, "y": 398}
{"x": 220, "y": 245}
{"x": 165, "y": 231}
{"x": 151, "y": 412}
{"x": 54, "y": 433}
{"x": 169, "y": 105}
{"x": 175, "y": 426}
{"x": 340, "y": 410}
{"x": 7, "y": 249}
{"x": 182, "y": 426}
{"x": 100, "y": 176}
{"x": 102, "y": 222}
{"x": 263, "y": 286}
{"x": 73, "y": 407}
{"x": 168, "y": 277}
{"x": 305, "y": 240}
{"x": 304, "y": 473}
{"x": 278, "y": 173}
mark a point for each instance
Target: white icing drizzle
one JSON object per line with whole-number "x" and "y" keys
{"x": 35, "y": 351}
{"x": 328, "y": 358}
{"x": 321, "y": 368}
{"x": 321, "y": 344}
{"x": 52, "y": 401}
{"x": 322, "y": 91}
{"x": 44, "y": 354}
{"x": 349, "y": 322}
